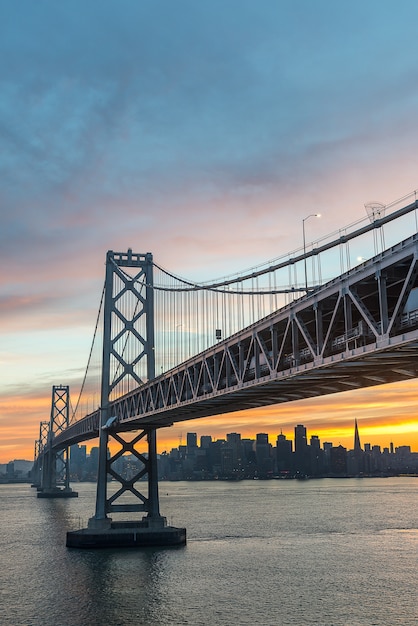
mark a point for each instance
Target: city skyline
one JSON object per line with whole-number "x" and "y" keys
{"x": 205, "y": 134}
{"x": 238, "y": 458}
{"x": 289, "y": 435}
{"x": 356, "y": 436}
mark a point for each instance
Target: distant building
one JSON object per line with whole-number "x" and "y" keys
{"x": 78, "y": 457}
{"x": 205, "y": 441}
{"x": 316, "y": 457}
{"x": 301, "y": 451}
{"x": 356, "y": 461}
{"x": 22, "y": 467}
{"x": 357, "y": 445}
{"x": 284, "y": 456}
{"x": 263, "y": 456}
{"x": 248, "y": 457}
{"x": 191, "y": 440}
{"x": 17, "y": 470}
{"x": 338, "y": 458}
{"x": 233, "y": 442}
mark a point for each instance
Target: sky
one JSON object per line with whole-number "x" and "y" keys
{"x": 203, "y": 132}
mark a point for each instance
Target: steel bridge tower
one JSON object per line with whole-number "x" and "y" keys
{"x": 128, "y": 321}
{"x": 55, "y": 469}
{"x": 40, "y": 446}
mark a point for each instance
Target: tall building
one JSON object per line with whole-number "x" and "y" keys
{"x": 263, "y": 455}
{"x": 93, "y": 463}
{"x": 190, "y": 455}
{"x": 205, "y": 441}
{"x": 357, "y": 445}
{"x": 78, "y": 457}
{"x": 301, "y": 451}
{"x": 284, "y": 455}
{"x": 356, "y": 457}
{"x": 300, "y": 438}
{"x": 327, "y": 453}
{"x": 338, "y": 460}
{"x": 248, "y": 457}
{"x": 316, "y": 457}
{"x": 215, "y": 456}
{"x": 233, "y": 442}
{"x": 191, "y": 440}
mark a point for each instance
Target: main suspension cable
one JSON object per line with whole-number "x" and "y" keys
{"x": 74, "y": 411}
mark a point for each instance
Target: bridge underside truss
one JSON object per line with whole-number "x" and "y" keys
{"x": 359, "y": 330}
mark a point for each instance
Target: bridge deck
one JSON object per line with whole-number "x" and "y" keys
{"x": 358, "y": 330}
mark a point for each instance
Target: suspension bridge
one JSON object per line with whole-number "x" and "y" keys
{"x": 339, "y": 314}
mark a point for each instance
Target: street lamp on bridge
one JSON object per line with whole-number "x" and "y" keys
{"x": 304, "y": 245}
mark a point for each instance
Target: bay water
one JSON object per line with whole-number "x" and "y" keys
{"x": 330, "y": 552}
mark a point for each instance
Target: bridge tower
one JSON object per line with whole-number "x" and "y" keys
{"x": 55, "y": 470}
{"x": 40, "y": 444}
{"x": 35, "y": 473}
{"x": 128, "y": 360}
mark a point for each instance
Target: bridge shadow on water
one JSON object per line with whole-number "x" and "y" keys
{"x": 119, "y": 586}
{"x": 68, "y": 587}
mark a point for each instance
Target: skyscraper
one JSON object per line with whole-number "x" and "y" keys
{"x": 263, "y": 455}
{"x": 355, "y": 458}
{"x": 191, "y": 440}
{"x": 300, "y": 438}
{"x": 357, "y": 446}
{"x": 301, "y": 450}
{"x": 284, "y": 456}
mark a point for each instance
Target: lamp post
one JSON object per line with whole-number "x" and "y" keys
{"x": 304, "y": 245}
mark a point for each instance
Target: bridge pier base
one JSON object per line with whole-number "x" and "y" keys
{"x": 57, "y": 493}
{"x": 126, "y": 534}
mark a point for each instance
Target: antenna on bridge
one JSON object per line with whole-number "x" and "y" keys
{"x": 375, "y": 211}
